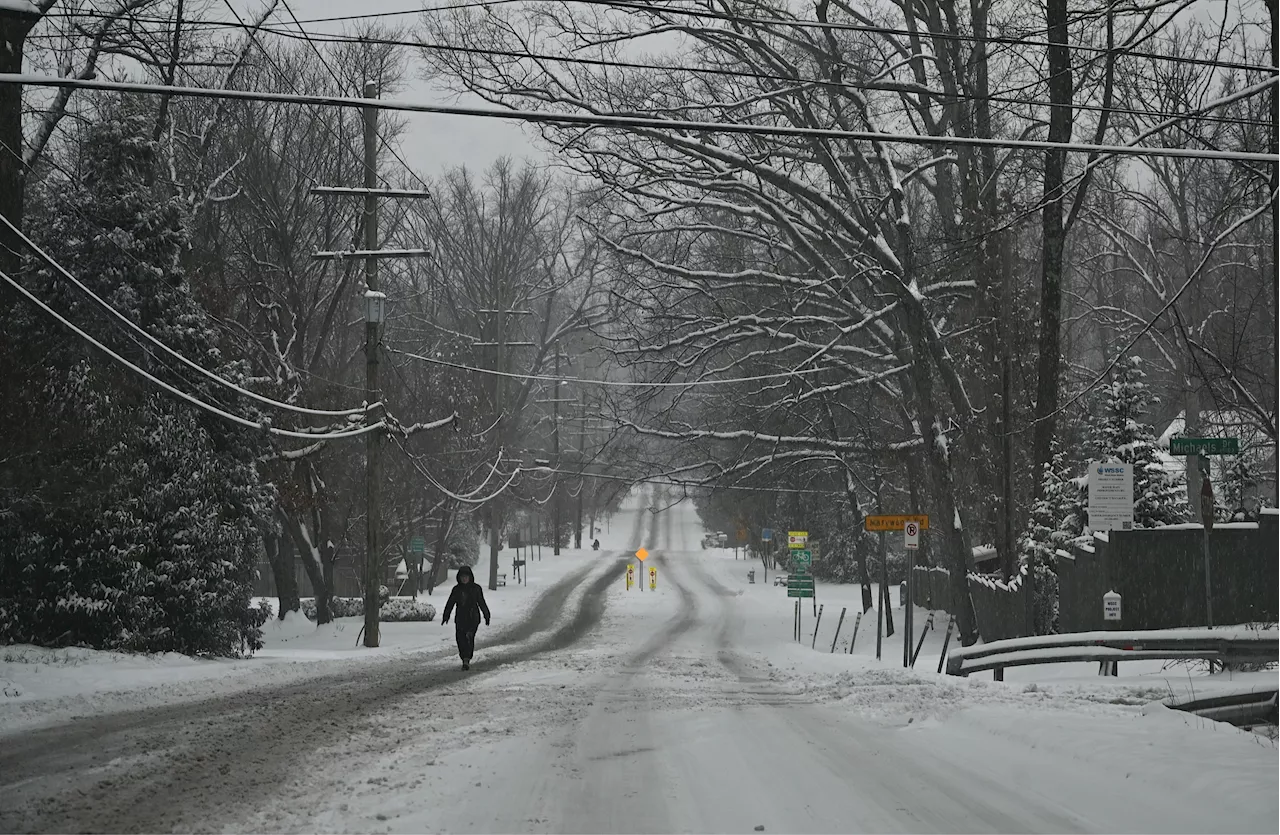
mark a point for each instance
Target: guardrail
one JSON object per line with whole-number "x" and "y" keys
{"x": 1244, "y": 707}
{"x": 1226, "y": 645}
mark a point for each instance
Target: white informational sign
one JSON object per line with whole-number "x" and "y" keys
{"x": 797, "y": 539}
{"x": 911, "y": 533}
{"x": 1111, "y": 606}
{"x": 1110, "y": 496}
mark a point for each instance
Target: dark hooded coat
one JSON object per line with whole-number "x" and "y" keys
{"x": 468, "y": 599}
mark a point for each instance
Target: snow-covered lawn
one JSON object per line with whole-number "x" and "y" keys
{"x": 39, "y": 685}
{"x": 1138, "y": 681}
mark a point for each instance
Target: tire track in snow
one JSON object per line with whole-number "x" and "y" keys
{"x": 196, "y": 765}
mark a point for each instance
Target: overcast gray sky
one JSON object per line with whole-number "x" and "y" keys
{"x": 432, "y": 143}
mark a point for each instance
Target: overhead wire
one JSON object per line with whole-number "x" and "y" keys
{"x": 133, "y": 326}
{"x": 902, "y": 89}
{"x": 705, "y": 14}
{"x": 189, "y": 398}
{"x": 338, "y": 80}
{"x": 622, "y": 121}
{"x": 608, "y": 383}
{"x": 887, "y": 85}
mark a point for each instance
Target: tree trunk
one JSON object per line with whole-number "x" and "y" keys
{"x": 1049, "y": 366}
{"x": 280, "y": 553}
{"x": 14, "y": 27}
{"x": 1191, "y": 428}
{"x": 495, "y": 535}
{"x": 314, "y": 564}
{"x": 956, "y": 549}
{"x": 859, "y": 551}
{"x": 438, "y": 563}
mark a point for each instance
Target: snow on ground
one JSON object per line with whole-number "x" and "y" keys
{"x": 39, "y": 685}
{"x": 1137, "y": 680}
{"x": 692, "y": 708}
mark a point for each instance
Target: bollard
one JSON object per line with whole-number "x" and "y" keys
{"x": 945, "y": 642}
{"x": 839, "y": 624}
{"x": 857, "y": 621}
{"x": 928, "y": 624}
{"x": 817, "y": 624}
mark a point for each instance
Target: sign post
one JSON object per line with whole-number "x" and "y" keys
{"x": 911, "y": 539}
{"x": 418, "y": 548}
{"x": 1206, "y": 519}
{"x": 910, "y": 524}
{"x": 1111, "y": 611}
{"x": 766, "y": 539}
{"x": 1205, "y": 447}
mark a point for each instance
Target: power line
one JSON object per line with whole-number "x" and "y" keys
{"x": 924, "y": 34}
{"x": 623, "y": 121}
{"x": 271, "y": 59}
{"x": 193, "y": 400}
{"x": 888, "y": 86}
{"x": 610, "y": 383}
{"x": 900, "y": 88}
{"x": 48, "y": 261}
{"x": 337, "y": 79}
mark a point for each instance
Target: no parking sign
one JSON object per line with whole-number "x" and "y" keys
{"x": 911, "y": 533}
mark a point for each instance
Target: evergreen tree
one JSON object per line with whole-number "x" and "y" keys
{"x": 1240, "y": 479}
{"x": 139, "y": 530}
{"x": 1122, "y": 435}
{"x": 1057, "y": 519}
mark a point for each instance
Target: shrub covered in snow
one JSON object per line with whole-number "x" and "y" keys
{"x": 399, "y": 609}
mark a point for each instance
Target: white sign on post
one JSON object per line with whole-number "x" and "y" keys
{"x": 1111, "y": 606}
{"x": 1110, "y": 496}
{"x": 911, "y": 533}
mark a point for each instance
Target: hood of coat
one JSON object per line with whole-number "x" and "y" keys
{"x": 465, "y": 571}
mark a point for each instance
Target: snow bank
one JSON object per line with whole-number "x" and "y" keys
{"x": 39, "y": 686}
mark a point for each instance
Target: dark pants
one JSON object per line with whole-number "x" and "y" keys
{"x": 466, "y": 640}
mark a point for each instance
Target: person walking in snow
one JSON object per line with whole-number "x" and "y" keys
{"x": 468, "y": 597}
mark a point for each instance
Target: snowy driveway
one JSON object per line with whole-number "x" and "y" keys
{"x": 688, "y": 709}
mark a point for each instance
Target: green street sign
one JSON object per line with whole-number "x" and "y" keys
{"x": 802, "y": 559}
{"x": 798, "y": 592}
{"x": 1204, "y": 446}
{"x": 417, "y": 545}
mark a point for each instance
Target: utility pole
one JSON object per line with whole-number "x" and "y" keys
{"x": 375, "y": 314}
{"x": 555, "y": 448}
{"x": 16, "y": 22}
{"x": 582, "y": 463}
{"x": 1274, "y": 9}
{"x": 497, "y": 328}
{"x": 372, "y": 389}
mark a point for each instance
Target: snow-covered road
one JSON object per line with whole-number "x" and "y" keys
{"x": 674, "y": 717}
{"x": 685, "y": 709}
